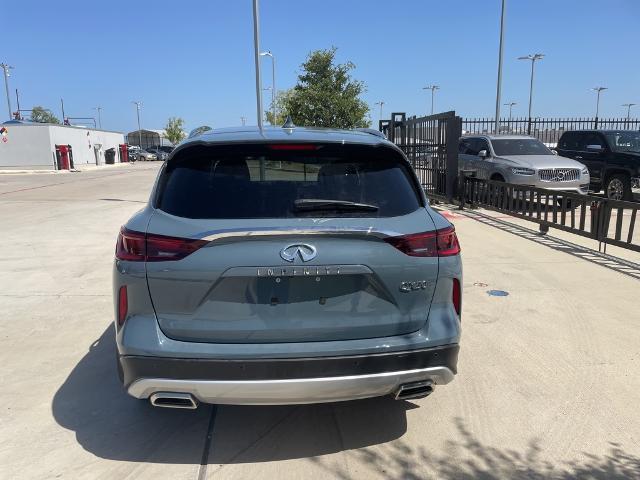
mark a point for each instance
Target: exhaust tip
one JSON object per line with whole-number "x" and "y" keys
{"x": 408, "y": 391}
{"x": 173, "y": 400}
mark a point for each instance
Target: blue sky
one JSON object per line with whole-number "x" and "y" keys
{"x": 195, "y": 59}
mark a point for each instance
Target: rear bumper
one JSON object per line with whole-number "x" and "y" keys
{"x": 287, "y": 381}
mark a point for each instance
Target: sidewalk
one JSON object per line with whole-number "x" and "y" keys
{"x": 80, "y": 168}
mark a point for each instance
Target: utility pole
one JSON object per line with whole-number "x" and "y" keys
{"x": 381, "y": 103}
{"x": 433, "y": 89}
{"x": 64, "y": 119}
{"x": 510, "y": 105}
{"x": 5, "y": 69}
{"x": 533, "y": 58}
{"x": 243, "y": 120}
{"x": 138, "y": 105}
{"x": 598, "y": 90}
{"x": 256, "y": 55}
{"x": 500, "y": 54}
{"x": 273, "y": 82}
{"x": 99, "y": 109}
{"x": 18, "y": 116}
{"x": 628, "y": 105}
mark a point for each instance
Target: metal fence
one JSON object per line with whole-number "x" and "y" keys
{"x": 431, "y": 145}
{"x": 548, "y": 130}
{"x": 610, "y": 222}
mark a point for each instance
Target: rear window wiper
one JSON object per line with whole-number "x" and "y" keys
{"x": 308, "y": 204}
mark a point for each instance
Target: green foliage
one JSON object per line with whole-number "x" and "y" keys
{"x": 282, "y": 105}
{"x": 173, "y": 130}
{"x": 325, "y": 95}
{"x": 40, "y": 115}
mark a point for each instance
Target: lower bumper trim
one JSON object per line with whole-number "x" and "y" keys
{"x": 291, "y": 391}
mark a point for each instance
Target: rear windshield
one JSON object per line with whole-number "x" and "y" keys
{"x": 520, "y": 146}
{"x": 284, "y": 181}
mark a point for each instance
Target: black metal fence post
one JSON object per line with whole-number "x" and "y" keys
{"x": 453, "y": 134}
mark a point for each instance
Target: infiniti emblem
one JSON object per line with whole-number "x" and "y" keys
{"x": 304, "y": 251}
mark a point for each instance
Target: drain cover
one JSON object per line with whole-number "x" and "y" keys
{"x": 497, "y": 293}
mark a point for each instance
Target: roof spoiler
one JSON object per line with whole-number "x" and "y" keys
{"x": 372, "y": 131}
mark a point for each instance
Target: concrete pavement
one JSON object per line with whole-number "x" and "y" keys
{"x": 548, "y": 383}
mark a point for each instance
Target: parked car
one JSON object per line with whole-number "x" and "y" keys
{"x": 282, "y": 267}
{"x": 163, "y": 148}
{"x": 160, "y": 154}
{"x": 521, "y": 159}
{"x": 612, "y": 157}
{"x": 144, "y": 155}
{"x": 132, "y": 151}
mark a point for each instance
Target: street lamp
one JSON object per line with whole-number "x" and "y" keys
{"x": 5, "y": 69}
{"x": 273, "y": 81}
{"x": 138, "y": 105}
{"x": 510, "y": 105}
{"x": 598, "y": 90}
{"x": 99, "y": 109}
{"x": 433, "y": 88}
{"x": 628, "y": 105}
{"x": 533, "y": 58}
{"x": 500, "y": 55}
{"x": 381, "y": 103}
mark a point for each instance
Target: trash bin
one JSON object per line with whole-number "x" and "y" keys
{"x": 110, "y": 156}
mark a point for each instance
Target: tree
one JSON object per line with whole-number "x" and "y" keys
{"x": 40, "y": 115}
{"x": 173, "y": 130}
{"x": 325, "y": 95}
{"x": 282, "y": 106}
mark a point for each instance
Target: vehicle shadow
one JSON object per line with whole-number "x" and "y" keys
{"x": 111, "y": 424}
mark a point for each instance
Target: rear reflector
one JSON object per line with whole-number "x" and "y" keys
{"x": 441, "y": 243}
{"x": 123, "y": 305}
{"x": 138, "y": 247}
{"x": 293, "y": 146}
{"x": 456, "y": 296}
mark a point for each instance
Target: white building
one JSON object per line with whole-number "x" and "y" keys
{"x": 26, "y": 145}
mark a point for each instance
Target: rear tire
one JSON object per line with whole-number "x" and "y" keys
{"x": 618, "y": 187}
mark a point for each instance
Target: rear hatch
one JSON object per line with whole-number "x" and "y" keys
{"x": 293, "y": 244}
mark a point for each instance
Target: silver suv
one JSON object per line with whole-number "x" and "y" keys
{"x": 286, "y": 266}
{"x": 523, "y": 160}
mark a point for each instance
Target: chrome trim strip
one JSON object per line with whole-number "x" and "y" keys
{"x": 291, "y": 391}
{"x": 218, "y": 235}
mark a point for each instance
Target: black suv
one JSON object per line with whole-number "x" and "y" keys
{"x": 612, "y": 157}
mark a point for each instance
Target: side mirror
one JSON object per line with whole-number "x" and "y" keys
{"x": 555, "y": 152}
{"x": 483, "y": 154}
{"x": 595, "y": 148}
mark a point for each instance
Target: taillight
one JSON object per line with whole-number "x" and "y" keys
{"x": 138, "y": 247}
{"x": 441, "y": 243}
{"x": 130, "y": 246}
{"x": 123, "y": 305}
{"x": 164, "y": 249}
{"x": 292, "y": 146}
{"x": 456, "y": 296}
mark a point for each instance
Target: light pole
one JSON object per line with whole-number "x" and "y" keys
{"x": 500, "y": 54}
{"x": 138, "y": 105}
{"x": 433, "y": 89}
{"x": 256, "y": 55}
{"x": 598, "y": 90}
{"x": 243, "y": 120}
{"x": 5, "y": 69}
{"x": 510, "y": 105}
{"x": 99, "y": 109}
{"x": 381, "y": 103}
{"x": 273, "y": 82}
{"x": 533, "y": 58}
{"x": 628, "y": 105}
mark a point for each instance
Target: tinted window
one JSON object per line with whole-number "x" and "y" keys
{"x": 569, "y": 141}
{"x": 470, "y": 146}
{"x": 520, "y": 146}
{"x": 258, "y": 181}
{"x": 482, "y": 144}
{"x": 590, "y": 138}
{"x": 624, "y": 141}
{"x": 464, "y": 147}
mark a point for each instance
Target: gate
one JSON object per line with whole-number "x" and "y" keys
{"x": 431, "y": 145}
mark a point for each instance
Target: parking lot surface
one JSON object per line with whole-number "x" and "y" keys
{"x": 548, "y": 383}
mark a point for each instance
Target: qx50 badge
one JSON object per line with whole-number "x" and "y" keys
{"x": 303, "y": 251}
